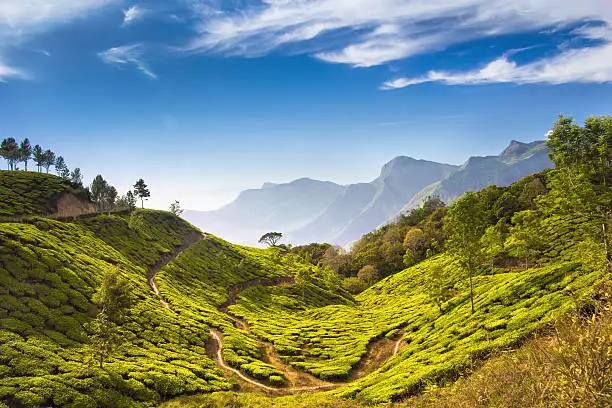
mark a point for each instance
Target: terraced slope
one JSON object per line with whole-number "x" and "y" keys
{"x": 49, "y": 271}
{"x": 29, "y": 193}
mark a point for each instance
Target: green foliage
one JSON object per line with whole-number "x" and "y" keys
{"x": 141, "y": 191}
{"x": 465, "y": 226}
{"x": 270, "y": 238}
{"x": 27, "y": 193}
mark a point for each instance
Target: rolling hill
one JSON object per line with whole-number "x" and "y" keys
{"x": 210, "y": 316}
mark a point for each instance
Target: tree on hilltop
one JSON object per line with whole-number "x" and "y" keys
{"x": 175, "y": 208}
{"x": 38, "y": 155}
{"x": 61, "y": 168}
{"x": 25, "y": 152}
{"x": 48, "y": 159}
{"x": 10, "y": 152}
{"x": 76, "y": 177}
{"x": 141, "y": 191}
{"x": 270, "y": 238}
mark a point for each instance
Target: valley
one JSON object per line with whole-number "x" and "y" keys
{"x": 138, "y": 307}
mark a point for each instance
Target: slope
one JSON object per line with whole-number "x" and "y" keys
{"x": 28, "y": 193}
{"x": 515, "y": 162}
{"x": 49, "y": 271}
{"x": 275, "y": 207}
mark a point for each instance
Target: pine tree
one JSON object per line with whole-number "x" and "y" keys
{"x": 25, "y": 152}
{"x": 39, "y": 156}
{"x": 141, "y": 191}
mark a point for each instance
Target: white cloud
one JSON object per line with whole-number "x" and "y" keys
{"x": 132, "y": 14}
{"x": 7, "y": 72}
{"x": 591, "y": 64}
{"x": 131, "y": 54}
{"x": 366, "y": 33}
{"x": 22, "y": 19}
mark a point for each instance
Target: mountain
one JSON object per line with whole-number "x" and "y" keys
{"x": 364, "y": 206}
{"x": 515, "y": 162}
{"x": 308, "y": 210}
{"x": 274, "y": 207}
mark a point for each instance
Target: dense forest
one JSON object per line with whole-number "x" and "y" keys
{"x": 501, "y": 298}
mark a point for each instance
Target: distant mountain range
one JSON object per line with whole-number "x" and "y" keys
{"x": 308, "y": 210}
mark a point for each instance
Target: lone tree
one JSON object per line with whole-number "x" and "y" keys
{"x": 113, "y": 302}
{"x": 465, "y": 226}
{"x": 10, "y": 152}
{"x": 38, "y": 155}
{"x": 271, "y": 238}
{"x": 175, "y": 208}
{"x": 141, "y": 191}
{"x": 25, "y": 152}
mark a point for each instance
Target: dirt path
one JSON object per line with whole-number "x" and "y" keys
{"x": 218, "y": 338}
{"x": 189, "y": 239}
{"x": 399, "y": 343}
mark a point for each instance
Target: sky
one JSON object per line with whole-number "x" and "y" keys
{"x": 205, "y": 98}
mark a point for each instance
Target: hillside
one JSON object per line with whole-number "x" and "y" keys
{"x": 217, "y": 324}
{"x": 515, "y": 162}
{"x": 282, "y": 207}
{"x": 29, "y": 193}
{"x": 49, "y": 271}
{"x": 315, "y": 211}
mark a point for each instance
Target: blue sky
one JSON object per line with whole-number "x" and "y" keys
{"x": 205, "y": 98}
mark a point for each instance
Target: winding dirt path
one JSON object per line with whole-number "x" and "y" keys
{"x": 189, "y": 239}
{"x": 218, "y": 338}
{"x": 378, "y": 350}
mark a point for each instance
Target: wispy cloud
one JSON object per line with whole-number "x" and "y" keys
{"x": 22, "y": 19}
{"x": 131, "y": 54}
{"x": 132, "y": 14}
{"x": 591, "y": 64}
{"x": 7, "y": 72}
{"x": 366, "y": 33}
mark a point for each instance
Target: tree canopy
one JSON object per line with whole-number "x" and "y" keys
{"x": 270, "y": 238}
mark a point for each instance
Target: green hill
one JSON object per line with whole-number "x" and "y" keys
{"x": 217, "y": 324}
{"x": 30, "y": 193}
{"x": 49, "y": 271}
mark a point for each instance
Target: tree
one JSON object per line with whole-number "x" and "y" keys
{"x": 465, "y": 226}
{"x": 76, "y": 177}
{"x": 61, "y": 168}
{"x": 10, "y": 152}
{"x": 49, "y": 159}
{"x": 113, "y": 301}
{"x": 270, "y": 238}
{"x": 98, "y": 188}
{"x": 368, "y": 275}
{"x": 39, "y": 156}
{"x": 131, "y": 200}
{"x": 25, "y": 152}
{"x": 493, "y": 241}
{"x": 141, "y": 191}
{"x": 524, "y": 242}
{"x": 436, "y": 285}
{"x": 175, "y": 208}
{"x": 109, "y": 195}
{"x": 583, "y": 159}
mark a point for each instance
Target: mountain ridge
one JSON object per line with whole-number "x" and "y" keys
{"x": 308, "y": 210}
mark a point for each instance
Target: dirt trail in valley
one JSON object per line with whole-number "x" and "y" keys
{"x": 379, "y": 350}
